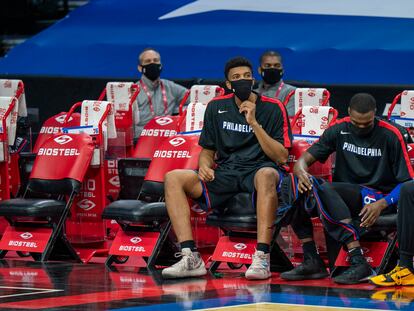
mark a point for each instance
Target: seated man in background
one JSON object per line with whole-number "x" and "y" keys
{"x": 271, "y": 70}
{"x": 246, "y": 135}
{"x": 158, "y": 97}
{"x": 371, "y": 163}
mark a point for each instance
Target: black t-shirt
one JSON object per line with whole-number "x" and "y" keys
{"x": 227, "y": 132}
{"x": 379, "y": 160}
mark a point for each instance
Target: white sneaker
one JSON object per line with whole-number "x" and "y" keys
{"x": 260, "y": 267}
{"x": 190, "y": 265}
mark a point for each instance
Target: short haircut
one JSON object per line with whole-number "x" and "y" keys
{"x": 145, "y": 50}
{"x": 363, "y": 103}
{"x": 237, "y": 62}
{"x": 269, "y": 53}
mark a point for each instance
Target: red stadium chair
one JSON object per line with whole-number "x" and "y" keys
{"x": 144, "y": 222}
{"x": 14, "y": 88}
{"x": 85, "y": 228}
{"x": 307, "y": 125}
{"x": 308, "y": 97}
{"x": 406, "y": 111}
{"x": 8, "y": 118}
{"x": 37, "y": 225}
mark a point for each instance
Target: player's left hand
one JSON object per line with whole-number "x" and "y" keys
{"x": 249, "y": 110}
{"x": 370, "y": 213}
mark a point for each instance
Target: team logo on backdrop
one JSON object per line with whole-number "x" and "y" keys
{"x": 26, "y": 235}
{"x": 178, "y": 141}
{"x": 240, "y": 246}
{"x": 136, "y": 239}
{"x": 86, "y": 204}
{"x": 64, "y": 139}
{"x": 163, "y": 121}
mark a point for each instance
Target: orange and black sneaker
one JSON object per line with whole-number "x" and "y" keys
{"x": 399, "y": 276}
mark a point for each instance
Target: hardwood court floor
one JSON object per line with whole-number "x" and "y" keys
{"x": 26, "y": 285}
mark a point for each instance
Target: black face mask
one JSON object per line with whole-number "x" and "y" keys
{"x": 242, "y": 88}
{"x": 272, "y": 75}
{"x": 152, "y": 71}
{"x": 361, "y": 132}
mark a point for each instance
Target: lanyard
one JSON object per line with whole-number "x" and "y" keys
{"x": 279, "y": 89}
{"x": 164, "y": 97}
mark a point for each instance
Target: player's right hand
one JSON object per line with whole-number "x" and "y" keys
{"x": 206, "y": 174}
{"x": 304, "y": 181}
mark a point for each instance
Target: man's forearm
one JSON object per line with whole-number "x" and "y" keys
{"x": 303, "y": 163}
{"x": 271, "y": 147}
{"x": 206, "y": 158}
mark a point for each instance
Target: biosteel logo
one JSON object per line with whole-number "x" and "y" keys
{"x": 197, "y": 209}
{"x": 26, "y": 235}
{"x": 136, "y": 239}
{"x": 86, "y": 204}
{"x": 311, "y": 93}
{"x": 240, "y": 246}
{"x": 62, "y": 118}
{"x": 114, "y": 181}
{"x": 163, "y": 121}
{"x": 178, "y": 141}
{"x": 64, "y": 139}
{"x": 314, "y": 110}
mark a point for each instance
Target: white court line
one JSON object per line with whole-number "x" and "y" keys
{"x": 36, "y": 291}
{"x": 293, "y": 304}
{"x": 31, "y": 288}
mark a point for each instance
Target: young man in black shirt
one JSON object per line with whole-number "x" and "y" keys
{"x": 371, "y": 163}
{"x": 244, "y": 139}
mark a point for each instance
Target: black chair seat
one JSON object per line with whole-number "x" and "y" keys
{"x": 386, "y": 221}
{"x": 32, "y": 207}
{"x": 238, "y": 212}
{"x": 136, "y": 211}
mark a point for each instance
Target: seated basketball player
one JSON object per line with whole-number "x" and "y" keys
{"x": 371, "y": 163}
{"x": 244, "y": 139}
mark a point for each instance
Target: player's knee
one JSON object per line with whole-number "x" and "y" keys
{"x": 266, "y": 177}
{"x": 172, "y": 178}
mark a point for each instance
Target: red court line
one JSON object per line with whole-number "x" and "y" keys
{"x": 63, "y": 301}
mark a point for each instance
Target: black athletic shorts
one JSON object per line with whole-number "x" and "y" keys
{"x": 229, "y": 182}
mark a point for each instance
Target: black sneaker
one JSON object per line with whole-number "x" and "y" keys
{"x": 356, "y": 273}
{"x": 311, "y": 269}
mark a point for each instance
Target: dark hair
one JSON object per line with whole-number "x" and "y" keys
{"x": 236, "y": 62}
{"x": 363, "y": 103}
{"x": 269, "y": 53}
{"x": 145, "y": 50}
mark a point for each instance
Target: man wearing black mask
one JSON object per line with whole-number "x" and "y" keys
{"x": 158, "y": 97}
{"x": 271, "y": 70}
{"x": 371, "y": 164}
{"x": 244, "y": 144}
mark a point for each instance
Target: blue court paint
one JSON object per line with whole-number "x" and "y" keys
{"x": 288, "y": 298}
